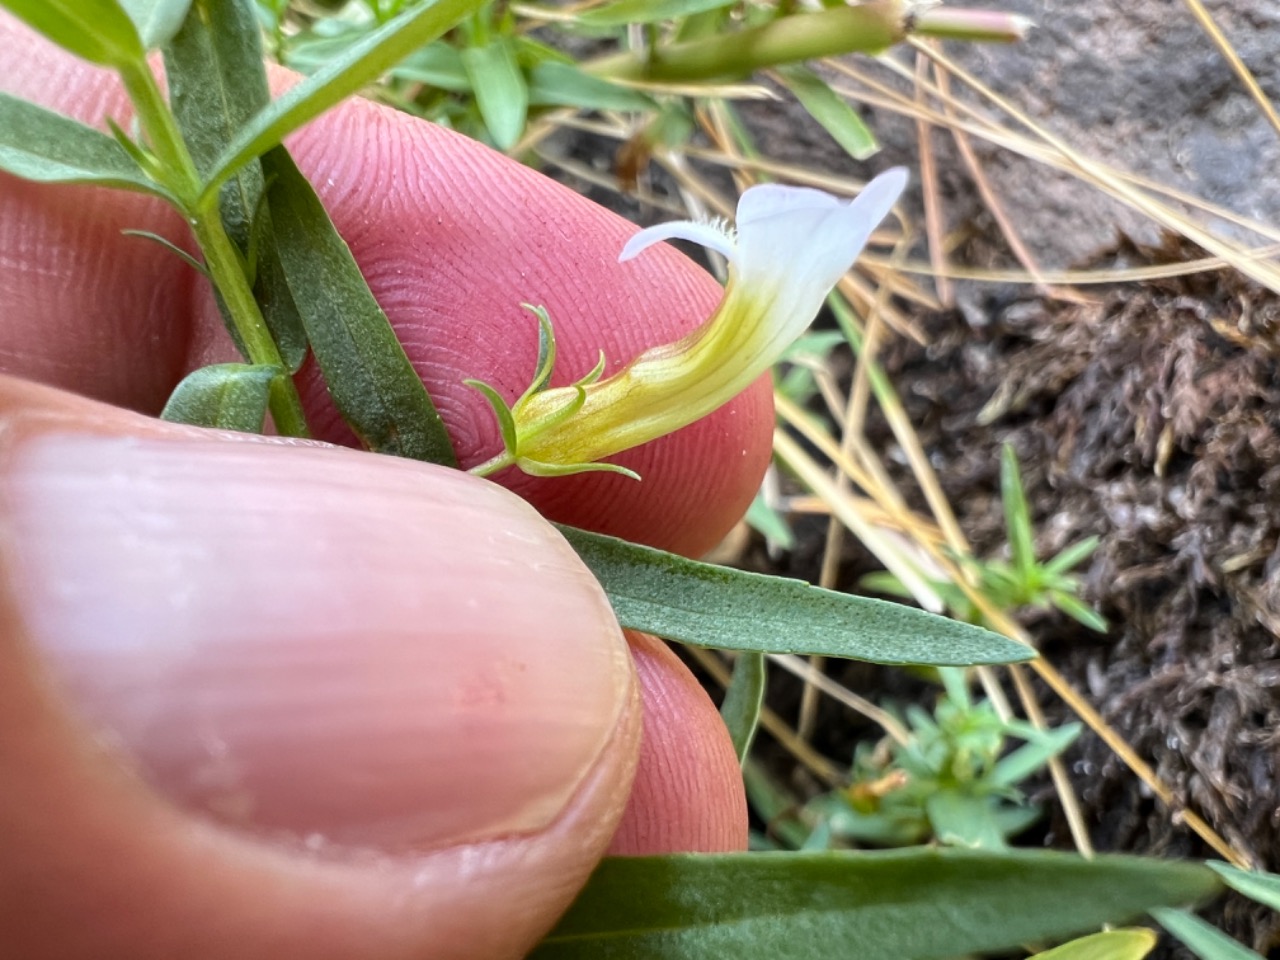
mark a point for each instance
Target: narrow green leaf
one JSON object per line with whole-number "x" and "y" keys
{"x": 371, "y": 380}
{"x": 1201, "y": 937}
{"x": 500, "y": 90}
{"x": 956, "y": 683}
{"x": 309, "y": 52}
{"x": 819, "y": 839}
{"x": 1078, "y": 610}
{"x": 361, "y": 63}
{"x": 217, "y": 81}
{"x": 775, "y": 805}
{"x": 961, "y": 820}
{"x": 95, "y": 30}
{"x": 156, "y": 20}
{"x": 648, "y": 11}
{"x": 38, "y": 144}
{"x": 1017, "y": 515}
{"x": 1011, "y": 820}
{"x": 925, "y": 904}
{"x": 554, "y": 84}
{"x": 1026, "y": 760}
{"x": 743, "y": 700}
{"x": 770, "y": 522}
{"x": 501, "y": 412}
{"x": 699, "y": 26}
{"x": 1254, "y": 884}
{"x": 231, "y": 396}
{"x": 140, "y": 155}
{"x": 1133, "y": 944}
{"x": 830, "y": 110}
{"x": 172, "y": 247}
{"x": 706, "y": 605}
{"x": 1072, "y": 555}
{"x": 275, "y": 299}
{"x": 435, "y": 65}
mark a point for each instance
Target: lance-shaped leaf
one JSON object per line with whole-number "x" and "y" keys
{"x": 925, "y": 904}
{"x": 711, "y": 606}
{"x": 1201, "y": 937}
{"x": 1131, "y": 944}
{"x": 1262, "y": 887}
{"x": 217, "y": 81}
{"x": 38, "y": 144}
{"x": 232, "y": 396}
{"x": 500, "y": 90}
{"x": 371, "y": 380}
{"x": 831, "y": 110}
{"x": 95, "y": 30}
{"x": 360, "y": 64}
{"x": 557, "y": 84}
{"x": 743, "y": 701}
{"x": 156, "y": 20}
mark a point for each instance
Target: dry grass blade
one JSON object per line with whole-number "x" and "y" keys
{"x": 992, "y": 201}
{"x": 1263, "y": 272}
{"x": 1057, "y": 771}
{"x": 842, "y": 694}
{"x": 974, "y": 122}
{"x": 1228, "y": 52}
{"x": 1078, "y": 278}
{"x": 933, "y": 222}
{"x": 1098, "y": 724}
{"x": 814, "y": 762}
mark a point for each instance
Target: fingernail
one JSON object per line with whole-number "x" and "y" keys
{"x": 350, "y": 649}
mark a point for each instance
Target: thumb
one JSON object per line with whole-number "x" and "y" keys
{"x": 261, "y": 699}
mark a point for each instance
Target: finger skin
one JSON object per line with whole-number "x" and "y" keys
{"x": 667, "y": 811}
{"x": 96, "y": 867}
{"x": 93, "y": 863}
{"x": 452, "y": 238}
{"x": 96, "y": 863}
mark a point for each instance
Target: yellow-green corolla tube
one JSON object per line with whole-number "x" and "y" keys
{"x": 791, "y": 246}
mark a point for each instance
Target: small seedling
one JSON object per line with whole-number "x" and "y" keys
{"x": 952, "y": 781}
{"x": 1022, "y": 580}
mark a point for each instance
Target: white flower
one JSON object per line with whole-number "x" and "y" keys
{"x": 791, "y": 246}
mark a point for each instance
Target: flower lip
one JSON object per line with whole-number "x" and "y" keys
{"x": 773, "y": 200}
{"x": 713, "y": 236}
{"x": 775, "y": 223}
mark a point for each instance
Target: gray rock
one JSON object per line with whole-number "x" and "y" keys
{"x": 1136, "y": 85}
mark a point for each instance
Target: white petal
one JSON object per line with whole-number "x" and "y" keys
{"x": 771, "y": 199}
{"x": 795, "y": 244}
{"x": 706, "y": 234}
{"x": 878, "y": 197}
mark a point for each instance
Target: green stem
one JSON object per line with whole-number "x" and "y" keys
{"x": 223, "y": 261}
{"x": 948, "y": 23}
{"x": 162, "y": 132}
{"x": 866, "y": 28}
{"x": 493, "y": 465}
{"x": 221, "y": 257}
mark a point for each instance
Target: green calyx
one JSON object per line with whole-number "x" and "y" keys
{"x": 514, "y": 430}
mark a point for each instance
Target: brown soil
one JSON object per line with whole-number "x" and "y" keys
{"x": 1150, "y": 418}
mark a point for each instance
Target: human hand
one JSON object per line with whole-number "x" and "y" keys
{"x": 265, "y": 699}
